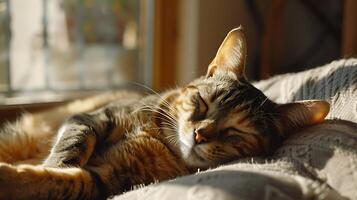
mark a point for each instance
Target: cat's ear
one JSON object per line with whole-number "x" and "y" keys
{"x": 300, "y": 114}
{"x": 230, "y": 57}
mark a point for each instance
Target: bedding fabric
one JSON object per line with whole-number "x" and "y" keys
{"x": 319, "y": 162}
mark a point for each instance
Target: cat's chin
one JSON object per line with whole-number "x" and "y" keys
{"x": 191, "y": 153}
{"x": 193, "y": 158}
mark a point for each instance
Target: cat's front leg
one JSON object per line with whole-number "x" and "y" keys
{"x": 38, "y": 182}
{"x": 77, "y": 139}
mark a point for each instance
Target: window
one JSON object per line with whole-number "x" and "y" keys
{"x": 51, "y": 48}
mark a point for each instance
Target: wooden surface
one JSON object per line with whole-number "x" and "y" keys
{"x": 349, "y": 32}
{"x": 272, "y": 38}
{"x": 10, "y": 113}
{"x": 165, "y": 43}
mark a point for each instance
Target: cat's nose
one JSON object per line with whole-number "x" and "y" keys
{"x": 199, "y": 138}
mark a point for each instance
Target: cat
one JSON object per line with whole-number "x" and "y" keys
{"x": 107, "y": 144}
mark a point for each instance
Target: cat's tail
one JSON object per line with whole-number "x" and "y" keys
{"x": 38, "y": 182}
{"x": 27, "y": 139}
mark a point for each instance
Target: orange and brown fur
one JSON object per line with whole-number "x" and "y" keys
{"x": 107, "y": 144}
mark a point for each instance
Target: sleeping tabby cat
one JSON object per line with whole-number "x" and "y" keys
{"x": 110, "y": 143}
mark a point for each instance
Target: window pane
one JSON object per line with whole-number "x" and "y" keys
{"x": 4, "y": 33}
{"x": 98, "y": 40}
{"x": 61, "y": 45}
{"x": 63, "y": 50}
{"x": 26, "y": 45}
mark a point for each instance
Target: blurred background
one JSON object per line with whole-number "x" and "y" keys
{"x": 55, "y": 50}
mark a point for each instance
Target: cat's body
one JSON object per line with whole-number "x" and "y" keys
{"x": 131, "y": 152}
{"x": 111, "y": 143}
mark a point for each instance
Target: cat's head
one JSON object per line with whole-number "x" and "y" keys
{"x": 222, "y": 117}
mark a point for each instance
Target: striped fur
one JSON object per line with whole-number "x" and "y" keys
{"x": 108, "y": 144}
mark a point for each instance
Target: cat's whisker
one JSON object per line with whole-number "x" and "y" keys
{"x": 164, "y": 128}
{"x": 158, "y": 108}
{"x": 158, "y": 94}
{"x": 169, "y": 118}
{"x": 144, "y": 86}
{"x": 159, "y": 111}
{"x": 168, "y": 113}
{"x": 170, "y": 124}
{"x": 172, "y": 139}
{"x": 164, "y": 121}
{"x": 168, "y": 106}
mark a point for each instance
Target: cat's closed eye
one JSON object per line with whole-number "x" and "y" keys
{"x": 201, "y": 107}
{"x": 230, "y": 133}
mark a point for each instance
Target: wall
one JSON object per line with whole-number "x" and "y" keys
{"x": 203, "y": 26}
{"x": 305, "y": 40}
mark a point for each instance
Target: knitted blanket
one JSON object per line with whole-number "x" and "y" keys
{"x": 335, "y": 82}
{"x": 319, "y": 162}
